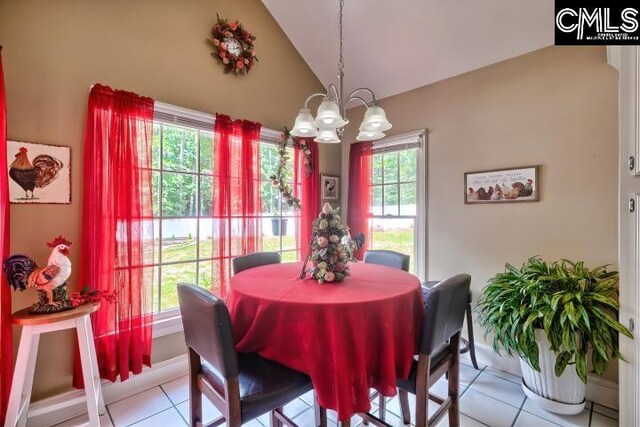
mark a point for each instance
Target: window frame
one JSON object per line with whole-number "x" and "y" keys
{"x": 167, "y": 322}
{"x": 196, "y": 175}
{"x": 410, "y": 140}
{"x": 294, "y": 215}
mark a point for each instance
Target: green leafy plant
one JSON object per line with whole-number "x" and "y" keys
{"x": 576, "y": 307}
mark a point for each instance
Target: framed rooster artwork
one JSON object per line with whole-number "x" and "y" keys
{"x": 510, "y": 185}
{"x": 39, "y": 173}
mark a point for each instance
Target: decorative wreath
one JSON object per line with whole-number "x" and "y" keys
{"x": 279, "y": 180}
{"x": 233, "y": 46}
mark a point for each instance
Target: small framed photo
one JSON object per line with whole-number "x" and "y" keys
{"x": 330, "y": 187}
{"x": 502, "y": 186}
{"x": 39, "y": 173}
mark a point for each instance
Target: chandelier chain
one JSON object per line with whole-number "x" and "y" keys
{"x": 329, "y": 124}
{"x": 341, "y": 60}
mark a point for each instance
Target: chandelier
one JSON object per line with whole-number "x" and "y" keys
{"x": 328, "y": 125}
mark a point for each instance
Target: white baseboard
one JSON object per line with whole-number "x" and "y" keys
{"x": 72, "y": 403}
{"x": 600, "y": 391}
{"x": 603, "y": 392}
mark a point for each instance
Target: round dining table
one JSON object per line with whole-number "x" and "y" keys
{"x": 348, "y": 337}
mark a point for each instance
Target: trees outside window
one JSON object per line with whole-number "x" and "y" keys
{"x": 182, "y": 186}
{"x": 393, "y": 201}
{"x": 278, "y": 219}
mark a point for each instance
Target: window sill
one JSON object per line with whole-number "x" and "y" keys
{"x": 167, "y": 323}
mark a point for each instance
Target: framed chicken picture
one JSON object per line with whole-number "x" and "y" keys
{"x": 502, "y": 186}
{"x": 39, "y": 173}
{"x": 330, "y": 187}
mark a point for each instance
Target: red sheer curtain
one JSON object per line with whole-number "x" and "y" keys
{"x": 307, "y": 188}
{"x": 117, "y": 228}
{"x": 360, "y": 192}
{"x": 236, "y": 193}
{"x": 6, "y": 339}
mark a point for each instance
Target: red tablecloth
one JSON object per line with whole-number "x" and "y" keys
{"x": 348, "y": 337}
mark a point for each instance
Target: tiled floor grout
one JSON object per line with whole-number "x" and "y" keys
{"x": 173, "y": 405}
{"x": 593, "y": 410}
{"x": 136, "y": 394}
{"x": 308, "y": 407}
{"x": 150, "y": 415}
{"x": 515, "y": 420}
{"x": 106, "y": 407}
{"x": 469, "y": 386}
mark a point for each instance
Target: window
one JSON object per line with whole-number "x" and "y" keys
{"x": 182, "y": 188}
{"x": 398, "y": 219}
{"x": 278, "y": 219}
{"x": 182, "y": 168}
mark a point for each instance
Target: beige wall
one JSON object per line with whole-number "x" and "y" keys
{"x": 556, "y": 107}
{"x": 54, "y": 50}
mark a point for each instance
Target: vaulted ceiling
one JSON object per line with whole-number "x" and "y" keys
{"x": 393, "y": 46}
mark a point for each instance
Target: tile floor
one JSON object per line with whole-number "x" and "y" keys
{"x": 488, "y": 398}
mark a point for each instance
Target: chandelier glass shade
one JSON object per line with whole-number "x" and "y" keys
{"x": 328, "y": 125}
{"x": 304, "y": 125}
{"x": 329, "y": 116}
{"x": 369, "y": 136}
{"x": 375, "y": 120}
{"x": 327, "y": 135}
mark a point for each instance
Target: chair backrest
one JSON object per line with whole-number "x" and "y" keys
{"x": 444, "y": 312}
{"x": 257, "y": 259}
{"x": 388, "y": 258}
{"x": 207, "y": 328}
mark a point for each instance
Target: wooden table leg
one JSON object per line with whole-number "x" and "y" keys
{"x": 22, "y": 383}
{"x": 382, "y": 407}
{"x": 89, "y": 370}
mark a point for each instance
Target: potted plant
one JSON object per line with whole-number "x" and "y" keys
{"x": 552, "y": 315}
{"x": 279, "y": 226}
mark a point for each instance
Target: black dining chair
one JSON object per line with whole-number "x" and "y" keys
{"x": 388, "y": 258}
{"x": 241, "y": 386}
{"x": 439, "y": 354}
{"x": 468, "y": 344}
{"x": 253, "y": 260}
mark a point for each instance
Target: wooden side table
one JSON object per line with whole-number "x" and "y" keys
{"x": 33, "y": 325}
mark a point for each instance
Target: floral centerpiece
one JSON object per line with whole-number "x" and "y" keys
{"x": 330, "y": 257}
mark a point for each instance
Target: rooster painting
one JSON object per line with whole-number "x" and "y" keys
{"x": 502, "y": 185}
{"x": 22, "y": 271}
{"x": 38, "y": 174}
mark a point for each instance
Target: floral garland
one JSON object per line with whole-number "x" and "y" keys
{"x": 86, "y": 295}
{"x": 330, "y": 253}
{"x": 226, "y": 35}
{"x": 279, "y": 180}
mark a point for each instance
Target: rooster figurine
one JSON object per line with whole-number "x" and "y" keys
{"x": 50, "y": 281}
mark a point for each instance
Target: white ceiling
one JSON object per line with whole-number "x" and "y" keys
{"x": 393, "y": 46}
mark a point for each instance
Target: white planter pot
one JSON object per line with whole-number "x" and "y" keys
{"x": 561, "y": 395}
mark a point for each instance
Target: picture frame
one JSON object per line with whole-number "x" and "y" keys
{"x": 330, "y": 187}
{"x": 38, "y": 173}
{"x": 507, "y": 185}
